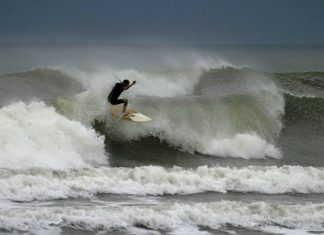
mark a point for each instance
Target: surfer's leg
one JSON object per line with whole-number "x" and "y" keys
{"x": 115, "y": 102}
{"x": 120, "y": 101}
{"x": 125, "y": 105}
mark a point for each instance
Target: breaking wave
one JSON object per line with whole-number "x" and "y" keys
{"x": 34, "y": 135}
{"x": 44, "y": 184}
{"x": 188, "y": 217}
{"x": 225, "y": 111}
{"x": 190, "y": 118}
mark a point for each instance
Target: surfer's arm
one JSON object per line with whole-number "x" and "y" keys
{"x": 133, "y": 83}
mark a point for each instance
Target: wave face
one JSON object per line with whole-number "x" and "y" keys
{"x": 34, "y": 135}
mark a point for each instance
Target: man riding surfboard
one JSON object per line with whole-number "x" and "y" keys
{"x": 116, "y": 92}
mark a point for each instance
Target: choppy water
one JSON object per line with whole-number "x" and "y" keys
{"x": 235, "y": 145}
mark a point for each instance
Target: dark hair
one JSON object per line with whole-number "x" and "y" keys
{"x": 125, "y": 82}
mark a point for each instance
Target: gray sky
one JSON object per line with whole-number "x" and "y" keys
{"x": 163, "y": 21}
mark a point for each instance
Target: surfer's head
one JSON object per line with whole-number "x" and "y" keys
{"x": 125, "y": 83}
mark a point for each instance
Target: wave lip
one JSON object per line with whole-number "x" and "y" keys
{"x": 43, "y": 184}
{"x": 34, "y": 135}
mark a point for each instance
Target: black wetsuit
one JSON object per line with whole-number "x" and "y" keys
{"x": 115, "y": 93}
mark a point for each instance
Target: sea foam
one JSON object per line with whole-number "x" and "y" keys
{"x": 43, "y": 184}
{"x": 165, "y": 216}
{"x": 34, "y": 135}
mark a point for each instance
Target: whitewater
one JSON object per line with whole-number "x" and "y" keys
{"x": 235, "y": 146}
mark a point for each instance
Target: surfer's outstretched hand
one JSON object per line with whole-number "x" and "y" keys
{"x": 134, "y": 82}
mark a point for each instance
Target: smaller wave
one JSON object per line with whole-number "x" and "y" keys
{"x": 314, "y": 79}
{"x": 302, "y": 84}
{"x": 41, "y": 83}
{"x": 169, "y": 217}
{"x": 43, "y": 184}
{"x": 34, "y": 135}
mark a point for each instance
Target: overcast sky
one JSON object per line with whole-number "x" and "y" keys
{"x": 163, "y": 21}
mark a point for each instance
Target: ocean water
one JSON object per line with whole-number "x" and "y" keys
{"x": 235, "y": 145}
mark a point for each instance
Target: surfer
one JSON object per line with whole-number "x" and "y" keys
{"x": 116, "y": 92}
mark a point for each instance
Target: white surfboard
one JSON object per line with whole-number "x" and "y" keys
{"x": 130, "y": 115}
